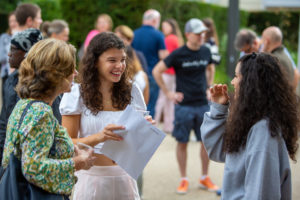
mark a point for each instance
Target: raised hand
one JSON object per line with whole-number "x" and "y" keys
{"x": 219, "y": 94}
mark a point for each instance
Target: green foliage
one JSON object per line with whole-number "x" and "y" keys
{"x": 221, "y": 75}
{"x": 6, "y": 6}
{"x": 294, "y": 55}
{"x": 50, "y": 8}
{"x": 81, "y": 15}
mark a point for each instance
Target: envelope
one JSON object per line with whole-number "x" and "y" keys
{"x": 141, "y": 140}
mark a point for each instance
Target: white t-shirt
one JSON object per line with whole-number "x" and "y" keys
{"x": 72, "y": 104}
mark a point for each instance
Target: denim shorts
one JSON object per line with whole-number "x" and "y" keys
{"x": 188, "y": 118}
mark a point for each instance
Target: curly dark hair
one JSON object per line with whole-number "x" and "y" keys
{"x": 89, "y": 75}
{"x": 264, "y": 93}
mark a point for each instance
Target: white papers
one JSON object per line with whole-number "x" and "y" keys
{"x": 141, "y": 139}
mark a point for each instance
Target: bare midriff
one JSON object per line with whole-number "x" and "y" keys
{"x": 102, "y": 160}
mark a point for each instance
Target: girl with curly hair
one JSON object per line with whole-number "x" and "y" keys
{"x": 259, "y": 134}
{"x": 91, "y": 111}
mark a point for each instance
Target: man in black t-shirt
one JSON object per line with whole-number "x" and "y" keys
{"x": 194, "y": 74}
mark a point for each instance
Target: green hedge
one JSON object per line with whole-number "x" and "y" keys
{"x": 81, "y": 15}
{"x": 50, "y": 8}
{"x": 6, "y": 6}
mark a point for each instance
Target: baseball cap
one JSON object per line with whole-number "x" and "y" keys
{"x": 194, "y": 25}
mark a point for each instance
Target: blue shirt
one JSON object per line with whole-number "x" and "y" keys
{"x": 149, "y": 41}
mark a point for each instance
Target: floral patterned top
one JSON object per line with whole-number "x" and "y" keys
{"x": 46, "y": 153}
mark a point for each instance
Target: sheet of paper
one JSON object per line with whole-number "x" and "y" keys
{"x": 141, "y": 140}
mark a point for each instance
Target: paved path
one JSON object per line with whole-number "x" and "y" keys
{"x": 161, "y": 175}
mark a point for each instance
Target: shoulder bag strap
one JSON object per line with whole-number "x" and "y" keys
{"x": 23, "y": 115}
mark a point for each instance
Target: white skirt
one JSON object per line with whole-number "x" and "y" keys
{"x": 105, "y": 183}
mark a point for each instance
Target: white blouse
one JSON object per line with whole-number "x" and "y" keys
{"x": 140, "y": 80}
{"x": 72, "y": 104}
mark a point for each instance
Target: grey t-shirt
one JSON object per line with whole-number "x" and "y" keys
{"x": 259, "y": 171}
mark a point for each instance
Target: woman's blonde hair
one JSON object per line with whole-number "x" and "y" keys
{"x": 133, "y": 63}
{"x": 125, "y": 31}
{"x": 48, "y": 63}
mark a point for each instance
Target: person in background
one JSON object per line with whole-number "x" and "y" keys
{"x": 103, "y": 23}
{"x": 194, "y": 75}
{"x": 42, "y": 145}
{"x": 44, "y": 28}
{"x": 164, "y": 106}
{"x": 28, "y": 15}
{"x": 90, "y": 113}
{"x": 150, "y": 41}
{"x": 211, "y": 40}
{"x": 4, "y": 48}
{"x": 137, "y": 73}
{"x": 140, "y": 78}
{"x": 58, "y": 29}
{"x": 272, "y": 43}
{"x": 259, "y": 134}
{"x": 246, "y": 41}
{"x": 16, "y": 55}
{"x": 127, "y": 35}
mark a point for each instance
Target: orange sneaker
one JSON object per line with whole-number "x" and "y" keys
{"x": 207, "y": 184}
{"x": 183, "y": 187}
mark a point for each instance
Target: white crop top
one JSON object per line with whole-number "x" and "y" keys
{"x": 72, "y": 104}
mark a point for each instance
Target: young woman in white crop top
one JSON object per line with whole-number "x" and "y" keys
{"x": 90, "y": 112}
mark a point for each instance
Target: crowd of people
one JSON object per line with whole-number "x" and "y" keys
{"x": 45, "y": 114}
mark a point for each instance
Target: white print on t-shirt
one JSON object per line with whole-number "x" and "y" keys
{"x": 195, "y": 63}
